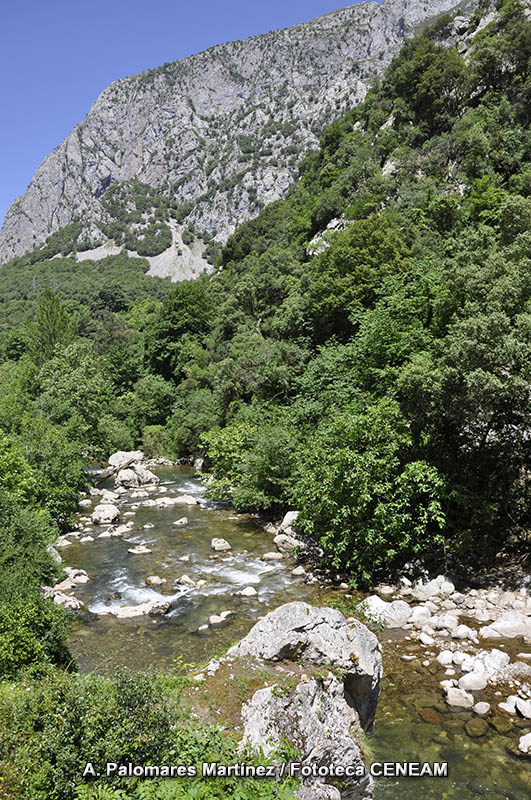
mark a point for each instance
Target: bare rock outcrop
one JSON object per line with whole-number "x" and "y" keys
{"x": 239, "y": 114}
{"x": 321, "y": 636}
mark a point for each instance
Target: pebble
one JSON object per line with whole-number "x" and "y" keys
{"x": 481, "y": 709}
{"x": 249, "y": 591}
{"x": 298, "y": 571}
{"x": 181, "y": 521}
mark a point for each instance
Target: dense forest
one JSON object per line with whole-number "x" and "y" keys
{"x": 361, "y": 354}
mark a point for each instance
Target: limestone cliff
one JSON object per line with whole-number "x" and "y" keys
{"x": 219, "y": 133}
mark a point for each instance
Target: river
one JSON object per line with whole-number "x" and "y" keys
{"x": 478, "y": 768}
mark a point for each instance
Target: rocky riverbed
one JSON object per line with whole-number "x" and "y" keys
{"x": 163, "y": 578}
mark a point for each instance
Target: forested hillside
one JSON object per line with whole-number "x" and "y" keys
{"x": 362, "y": 353}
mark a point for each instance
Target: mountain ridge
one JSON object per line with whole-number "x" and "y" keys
{"x": 219, "y": 133}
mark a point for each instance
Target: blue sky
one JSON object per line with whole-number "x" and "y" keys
{"x": 57, "y": 56}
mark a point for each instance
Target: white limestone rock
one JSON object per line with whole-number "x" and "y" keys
{"x": 220, "y": 545}
{"x": 392, "y": 615}
{"x": 105, "y": 514}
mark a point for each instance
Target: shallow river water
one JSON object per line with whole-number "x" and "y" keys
{"x": 478, "y": 768}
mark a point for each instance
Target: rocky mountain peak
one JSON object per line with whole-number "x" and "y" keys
{"x": 218, "y": 135}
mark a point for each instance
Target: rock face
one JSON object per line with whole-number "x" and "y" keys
{"x": 195, "y": 128}
{"x": 322, "y": 637}
{"x": 321, "y": 725}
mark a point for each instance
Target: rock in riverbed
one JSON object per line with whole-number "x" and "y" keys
{"x": 459, "y": 698}
{"x": 105, "y": 514}
{"x": 391, "y": 615}
{"x": 321, "y": 636}
{"x": 220, "y": 545}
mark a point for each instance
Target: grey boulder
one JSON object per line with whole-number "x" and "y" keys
{"x": 321, "y": 636}
{"x": 318, "y": 722}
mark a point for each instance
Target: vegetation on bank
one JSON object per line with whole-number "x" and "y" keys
{"x": 362, "y": 354}
{"x": 374, "y": 375}
{"x": 52, "y": 728}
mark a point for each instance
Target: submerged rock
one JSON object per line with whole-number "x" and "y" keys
{"x": 476, "y": 727}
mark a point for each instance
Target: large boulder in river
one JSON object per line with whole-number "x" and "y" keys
{"x": 134, "y": 476}
{"x": 321, "y": 636}
{"x": 123, "y": 458}
{"x": 105, "y": 514}
{"x": 390, "y": 615}
{"x": 318, "y": 722}
{"x": 127, "y": 478}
